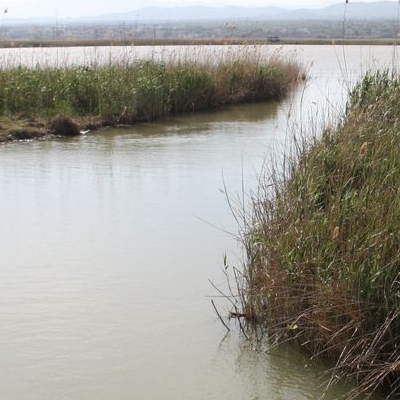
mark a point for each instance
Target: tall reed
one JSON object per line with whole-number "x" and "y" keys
{"x": 130, "y": 90}
{"x": 323, "y": 244}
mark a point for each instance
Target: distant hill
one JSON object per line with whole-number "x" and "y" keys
{"x": 355, "y": 10}
{"x": 192, "y": 13}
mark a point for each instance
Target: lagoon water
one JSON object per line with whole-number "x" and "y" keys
{"x": 108, "y": 242}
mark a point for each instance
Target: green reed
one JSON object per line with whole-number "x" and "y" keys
{"x": 141, "y": 90}
{"x": 324, "y": 243}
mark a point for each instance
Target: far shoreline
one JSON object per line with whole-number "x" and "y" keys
{"x": 31, "y": 43}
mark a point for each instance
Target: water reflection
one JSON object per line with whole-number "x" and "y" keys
{"x": 201, "y": 122}
{"x": 282, "y": 373}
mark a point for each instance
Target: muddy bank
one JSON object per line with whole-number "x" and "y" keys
{"x": 24, "y": 127}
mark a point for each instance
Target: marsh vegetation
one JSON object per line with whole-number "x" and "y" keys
{"x": 131, "y": 91}
{"x": 323, "y": 243}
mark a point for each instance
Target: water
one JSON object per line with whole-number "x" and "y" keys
{"x": 108, "y": 241}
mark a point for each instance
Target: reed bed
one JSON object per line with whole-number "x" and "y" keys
{"x": 128, "y": 90}
{"x": 323, "y": 243}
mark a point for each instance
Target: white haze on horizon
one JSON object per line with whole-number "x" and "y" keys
{"x": 78, "y": 8}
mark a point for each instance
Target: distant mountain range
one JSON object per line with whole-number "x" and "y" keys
{"x": 354, "y": 10}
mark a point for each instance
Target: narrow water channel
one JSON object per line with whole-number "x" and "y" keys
{"x": 108, "y": 241}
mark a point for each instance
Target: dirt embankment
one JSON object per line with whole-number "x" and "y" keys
{"x": 24, "y": 127}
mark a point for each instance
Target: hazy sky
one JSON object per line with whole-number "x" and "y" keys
{"x": 74, "y": 8}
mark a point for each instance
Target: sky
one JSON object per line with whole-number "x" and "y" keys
{"x": 76, "y": 8}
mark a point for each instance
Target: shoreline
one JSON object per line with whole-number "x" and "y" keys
{"x": 195, "y": 42}
{"x": 24, "y": 127}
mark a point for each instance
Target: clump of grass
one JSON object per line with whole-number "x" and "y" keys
{"x": 129, "y": 91}
{"x": 324, "y": 243}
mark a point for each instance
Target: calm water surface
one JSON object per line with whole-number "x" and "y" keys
{"x": 108, "y": 241}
